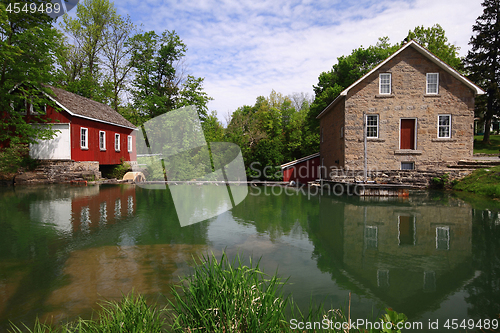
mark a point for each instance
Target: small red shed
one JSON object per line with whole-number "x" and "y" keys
{"x": 303, "y": 170}
{"x": 88, "y": 131}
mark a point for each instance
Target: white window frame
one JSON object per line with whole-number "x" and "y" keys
{"x": 371, "y": 126}
{"x": 370, "y": 239}
{"x": 380, "y": 84}
{"x": 129, "y": 143}
{"x": 429, "y": 84}
{"x": 84, "y": 138}
{"x": 444, "y": 126}
{"x": 117, "y": 141}
{"x": 446, "y": 229}
{"x": 102, "y": 140}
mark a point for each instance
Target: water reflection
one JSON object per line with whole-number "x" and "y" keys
{"x": 406, "y": 254}
{"x": 429, "y": 256}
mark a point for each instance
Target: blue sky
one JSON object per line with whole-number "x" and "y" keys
{"x": 244, "y": 49}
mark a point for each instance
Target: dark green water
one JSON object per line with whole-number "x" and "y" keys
{"x": 431, "y": 256}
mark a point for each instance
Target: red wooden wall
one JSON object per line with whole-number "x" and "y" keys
{"x": 302, "y": 172}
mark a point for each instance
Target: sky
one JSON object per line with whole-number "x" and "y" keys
{"x": 245, "y": 49}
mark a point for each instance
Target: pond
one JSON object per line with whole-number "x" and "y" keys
{"x": 432, "y": 256}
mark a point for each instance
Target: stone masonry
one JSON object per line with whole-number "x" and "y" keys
{"x": 59, "y": 172}
{"x": 342, "y": 144}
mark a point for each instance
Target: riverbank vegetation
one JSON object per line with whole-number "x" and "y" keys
{"x": 482, "y": 181}
{"x": 220, "y": 296}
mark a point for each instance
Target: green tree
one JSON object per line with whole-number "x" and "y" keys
{"x": 29, "y": 45}
{"x": 434, "y": 40}
{"x": 95, "y": 19}
{"x": 345, "y": 72}
{"x": 483, "y": 59}
{"x": 117, "y": 53}
{"x": 159, "y": 85}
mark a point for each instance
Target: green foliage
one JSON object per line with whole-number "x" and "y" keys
{"x": 28, "y": 48}
{"x": 395, "y": 318}
{"x": 441, "y": 181}
{"x": 225, "y": 296}
{"x": 434, "y": 40}
{"x": 118, "y": 171}
{"x": 482, "y": 181}
{"x": 158, "y": 86}
{"x": 345, "y": 72}
{"x": 482, "y": 62}
{"x": 16, "y": 156}
{"x": 131, "y": 314}
{"x": 81, "y": 73}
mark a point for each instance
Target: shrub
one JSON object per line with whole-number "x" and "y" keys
{"x": 441, "y": 181}
{"x": 118, "y": 171}
{"x": 16, "y": 156}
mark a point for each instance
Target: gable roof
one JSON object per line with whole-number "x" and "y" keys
{"x": 300, "y": 160}
{"x": 444, "y": 66}
{"x": 83, "y": 107}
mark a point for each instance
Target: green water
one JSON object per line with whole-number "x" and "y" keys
{"x": 432, "y": 256}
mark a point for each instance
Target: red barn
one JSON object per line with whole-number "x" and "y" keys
{"x": 303, "y": 170}
{"x": 88, "y": 131}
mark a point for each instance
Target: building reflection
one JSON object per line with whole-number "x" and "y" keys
{"x": 401, "y": 254}
{"x": 86, "y": 209}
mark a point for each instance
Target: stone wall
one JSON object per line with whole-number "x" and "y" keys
{"x": 59, "y": 172}
{"x": 417, "y": 178}
{"x": 408, "y": 99}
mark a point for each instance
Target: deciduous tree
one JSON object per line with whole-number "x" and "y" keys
{"x": 28, "y": 48}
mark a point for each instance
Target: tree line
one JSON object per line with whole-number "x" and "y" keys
{"x": 104, "y": 56}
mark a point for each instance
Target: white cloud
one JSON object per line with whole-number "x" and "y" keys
{"x": 245, "y": 49}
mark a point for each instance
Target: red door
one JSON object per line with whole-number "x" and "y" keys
{"x": 407, "y": 134}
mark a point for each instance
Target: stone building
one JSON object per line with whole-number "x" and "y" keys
{"x": 417, "y": 111}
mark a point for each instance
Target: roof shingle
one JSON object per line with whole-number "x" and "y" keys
{"x": 85, "y": 107}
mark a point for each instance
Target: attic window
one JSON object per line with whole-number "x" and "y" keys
{"x": 432, "y": 83}
{"x": 385, "y": 83}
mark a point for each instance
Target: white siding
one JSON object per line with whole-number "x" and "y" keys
{"x": 58, "y": 148}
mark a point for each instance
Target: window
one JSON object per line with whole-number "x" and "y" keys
{"x": 406, "y": 230}
{"x": 370, "y": 236}
{"x": 84, "y": 138}
{"x": 443, "y": 238}
{"x": 117, "y": 142}
{"x": 342, "y": 132}
{"x": 383, "y": 278}
{"x": 102, "y": 140}
{"x": 444, "y": 126}
{"x": 407, "y": 165}
{"x": 129, "y": 143}
{"x": 432, "y": 83}
{"x": 372, "y": 126}
{"x": 430, "y": 281}
{"x": 385, "y": 83}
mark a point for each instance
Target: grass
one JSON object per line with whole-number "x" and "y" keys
{"x": 131, "y": 314}
{"x": 220, "y": 296}
{"x": 481, "y": 148}
{"x": 482, "y": 181}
